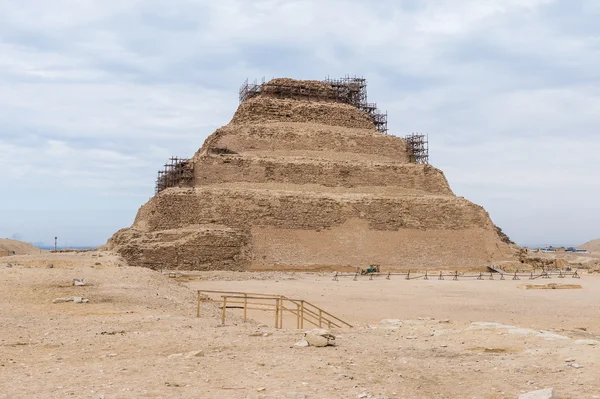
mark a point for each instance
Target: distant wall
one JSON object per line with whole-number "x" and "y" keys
{"x": 4, "y": 252}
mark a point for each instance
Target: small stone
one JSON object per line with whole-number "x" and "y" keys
{"x": 302, "y": 344}
{"x": 570, "y": 359}
{"x": 321, "y": 332}
{"x": 411, "y": 337}
{"x": 75, "y": 299}
{"x": 444, "y": 321}
{"x": 316, "y": 340}
{"x": 541, "y": 394}
{"x": 575, "y": 365}
{"x": 49, "y": 266}
{"x": 197, "y": 353}
{"x": 319, "y": 337}
{"x": 175, "y": 355}
{"x": 79, "y": 282}
{"x": 261, "y": 389}
{"x": 391, "y": 322}
{"x": 587, "y": 342}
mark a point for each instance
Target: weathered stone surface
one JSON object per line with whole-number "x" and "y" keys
{"x": 316, "y": 340}
{"x": 587, "y": 342}
{"x": 75, "y": 299}
{"x": 540, "y": 394}
{"x": 301, "y": 344}
{"x": 391, "y": 323}
{"x": 319, "y": 337}
{"x": 196, "y": 353}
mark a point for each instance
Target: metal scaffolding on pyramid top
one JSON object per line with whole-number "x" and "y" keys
{"x": 418, "y": 146}
{"x": 348, "y": 90}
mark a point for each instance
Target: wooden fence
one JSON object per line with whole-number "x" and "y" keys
{"x": 456, "y": 275}
{"x": 304, "y": 311}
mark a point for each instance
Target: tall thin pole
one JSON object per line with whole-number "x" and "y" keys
{"x": 55, "y": 238}
{"x": 198, "y": 311}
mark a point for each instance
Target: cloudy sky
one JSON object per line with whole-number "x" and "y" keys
{"x": 96, "y": 94}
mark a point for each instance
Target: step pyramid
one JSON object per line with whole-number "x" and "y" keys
{"x": 305, "y": 177}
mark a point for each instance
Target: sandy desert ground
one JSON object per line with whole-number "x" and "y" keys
{"x": 138, "y": 336}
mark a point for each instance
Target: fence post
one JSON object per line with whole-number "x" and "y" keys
{"x": 302, "y": 314}
{"x": 297, "y": 316}
{"x": 320, "y": 317}
{"x": 224, "y": 310}
{"x": 245, "y": 306}
{"x": 281, "y": 313}
{"x": 276, "y": 312}
{"x": 198, "y": 311}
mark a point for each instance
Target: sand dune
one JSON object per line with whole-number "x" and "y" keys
{"x": 14, "y": 247}
{"x": 592, "y": 246}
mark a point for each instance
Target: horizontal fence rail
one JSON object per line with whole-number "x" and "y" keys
{"x": 456, "y": 275}
{"x": 279, "y": 304}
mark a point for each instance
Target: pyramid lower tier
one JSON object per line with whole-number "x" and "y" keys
{"x": 217, "y": 228}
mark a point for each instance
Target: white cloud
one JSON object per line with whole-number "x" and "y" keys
{"x": 94, "y": 95}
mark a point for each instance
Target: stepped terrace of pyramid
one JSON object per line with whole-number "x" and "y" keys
{"x": 305, "y": 177}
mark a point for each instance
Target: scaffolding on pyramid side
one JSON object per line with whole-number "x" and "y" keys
{"x": 418, "y": 146}
{"x": 177, "y": 172}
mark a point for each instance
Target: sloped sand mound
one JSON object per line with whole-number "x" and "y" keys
{"x": 14, "y": 247}
{"x": 592, "y": 246}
